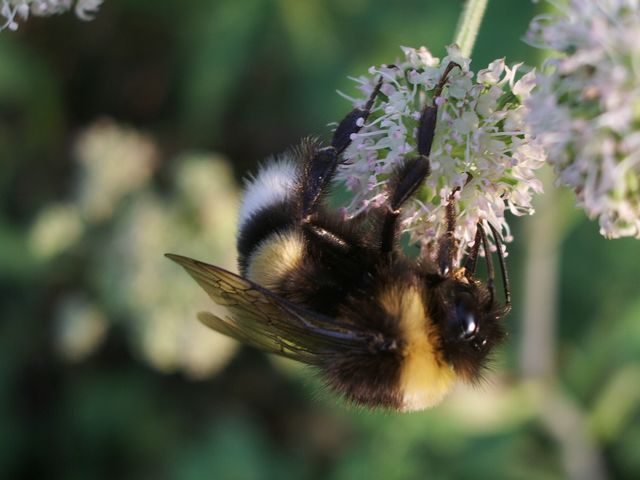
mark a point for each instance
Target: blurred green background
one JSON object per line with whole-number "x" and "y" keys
{"x": 127, "y": 137}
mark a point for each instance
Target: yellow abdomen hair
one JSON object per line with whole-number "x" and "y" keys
{"x": 274, "y": 257}
{"x": 425, "y": 377}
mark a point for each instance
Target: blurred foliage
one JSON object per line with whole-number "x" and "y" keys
{"x": 125, "y": 138}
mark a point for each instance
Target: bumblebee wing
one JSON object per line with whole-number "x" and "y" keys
{"x": 276, "y": 346}
{"x": 262, "y": 319}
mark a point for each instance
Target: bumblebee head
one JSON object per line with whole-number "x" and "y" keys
{"x": 468, "y": 320}
{"x": 448, "y": 326}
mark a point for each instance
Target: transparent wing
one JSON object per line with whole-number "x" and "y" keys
{"x": 262, "y": 319}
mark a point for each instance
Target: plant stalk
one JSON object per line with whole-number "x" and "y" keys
{"x": 469, "y": 24}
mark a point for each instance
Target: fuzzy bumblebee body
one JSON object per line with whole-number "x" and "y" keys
{"x": 384, "y": 330}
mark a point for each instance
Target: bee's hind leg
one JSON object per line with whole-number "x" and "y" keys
{"x": 320, "y": 167}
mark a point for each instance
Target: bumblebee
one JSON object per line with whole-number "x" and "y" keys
{"x": 384, "y": 330}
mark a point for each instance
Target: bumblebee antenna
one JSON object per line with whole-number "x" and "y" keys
{"x": 489, "y": 260}
{"x": 503, "y": 265}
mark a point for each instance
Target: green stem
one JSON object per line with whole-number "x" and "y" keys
{"x": 469, "y": 24}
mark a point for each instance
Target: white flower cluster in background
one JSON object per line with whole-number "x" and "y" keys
{"x": 586, "y": 108}
{"x": 20, "y": 10}
{"x": 480, "y": 131}
{"x": 114, "y": 161}
{"x": 198, "y": 218}
{"x": 115, "y": 226}
{"x": 81, "y": 327}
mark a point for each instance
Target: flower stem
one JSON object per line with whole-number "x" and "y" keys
{"x": 469, "y": 24}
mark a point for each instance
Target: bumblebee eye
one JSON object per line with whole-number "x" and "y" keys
{"x": 465, "y": 317}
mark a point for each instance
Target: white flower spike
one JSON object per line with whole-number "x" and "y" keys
{"x": 483, "y": 152}
{"x": 12, "y": 10}
{"x": 586, "y": 108}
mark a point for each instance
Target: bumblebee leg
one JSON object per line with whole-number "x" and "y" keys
{"x": 408, "y": 178}
{"x": 317, "y": 174}
{"x": 448, "y": 244}
{"x": 429, "y": 115}
{"x": 353, "y": 122}
{"x": 320, "y": 168}
{"x": 405, "y": 181}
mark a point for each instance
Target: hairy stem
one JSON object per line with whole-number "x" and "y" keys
{"x": 469, "y": 24}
